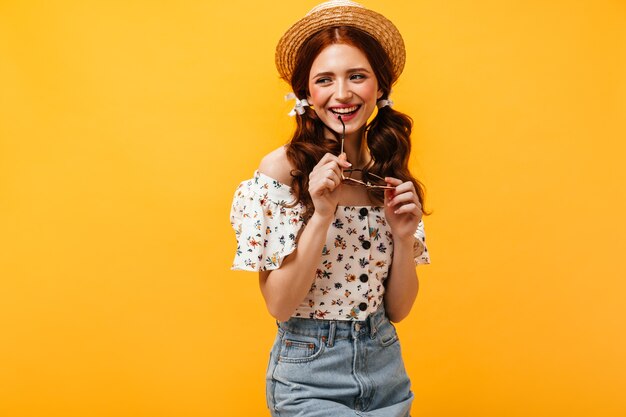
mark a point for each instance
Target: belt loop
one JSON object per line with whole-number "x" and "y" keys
{"x": 372, "y": 325}
{"x": 331, "y": 333}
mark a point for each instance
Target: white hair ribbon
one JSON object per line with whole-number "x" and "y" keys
{"x": 299, "y": 106}
{"x": 383, "y": 103}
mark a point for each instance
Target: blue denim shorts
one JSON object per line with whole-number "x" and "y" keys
{"x": 338, "y": 368}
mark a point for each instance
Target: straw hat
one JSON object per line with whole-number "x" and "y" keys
{"x": 340, "y": 13}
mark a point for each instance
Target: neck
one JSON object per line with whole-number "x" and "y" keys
{"x": 355, "y": 148}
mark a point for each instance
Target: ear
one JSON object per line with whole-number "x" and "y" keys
{"x": 379, "y": 94}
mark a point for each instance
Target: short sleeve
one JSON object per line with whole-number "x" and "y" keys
{"x": 420, "y": 251}
{"x": 265, "y": 228}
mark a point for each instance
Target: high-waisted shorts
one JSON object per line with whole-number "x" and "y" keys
{"x": 322, "y": 368}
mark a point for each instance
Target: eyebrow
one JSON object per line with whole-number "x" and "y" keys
{"x": 358, "y": 69}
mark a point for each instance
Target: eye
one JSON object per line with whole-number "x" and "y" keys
{"x": 357, "y": 77}
{"x": 323, "y": 80}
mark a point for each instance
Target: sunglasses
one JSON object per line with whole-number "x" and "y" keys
{"x": 370, "y": 184}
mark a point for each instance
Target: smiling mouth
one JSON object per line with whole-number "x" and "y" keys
{"x": 345, "y": 111}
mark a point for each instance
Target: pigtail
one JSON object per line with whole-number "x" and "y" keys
{"x": 389, "y": 142}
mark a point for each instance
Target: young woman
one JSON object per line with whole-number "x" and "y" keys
{"x": 332, "y": 221}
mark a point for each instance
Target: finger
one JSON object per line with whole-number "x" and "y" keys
{"x": 329, "y": 183}
{"x": 404, "y": 187}
{"x": 321, "y": 186}
{"x": 332, "y": 172}
{"x": 410, "y": 208}
{"x": 323, "y": 161}
{"x": 403, "y": 198}
{"x": 335, "y": 176}
{"x": 393, "y": 181}
{"x": 322, "y": 166}
{"x": 343, "y": 160}
{"x": 330, "y": 166}
{"x": 321, "y": 177}
{"x": 328, "y": 158}
{"x": 389, "y": 194}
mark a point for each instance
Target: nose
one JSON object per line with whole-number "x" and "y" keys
{"x": 343, "y": 92}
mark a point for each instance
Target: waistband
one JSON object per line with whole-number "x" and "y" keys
{"x": 329, "y": 330}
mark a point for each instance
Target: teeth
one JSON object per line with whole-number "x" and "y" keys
{"x": 345, "y": 110}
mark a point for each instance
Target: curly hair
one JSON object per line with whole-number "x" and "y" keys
{"x": 388, "y": 135}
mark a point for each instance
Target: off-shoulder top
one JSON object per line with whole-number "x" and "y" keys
{"x": 355, "y": 259}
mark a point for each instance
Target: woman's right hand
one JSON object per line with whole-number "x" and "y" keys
{"x": 324, "y": 181}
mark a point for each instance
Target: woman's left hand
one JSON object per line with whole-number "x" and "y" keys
{"x": 402, "y": 208}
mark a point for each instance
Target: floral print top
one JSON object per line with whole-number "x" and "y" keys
{"x": 355, "y": 260}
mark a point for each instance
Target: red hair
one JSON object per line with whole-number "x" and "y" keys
{"x": 388, "y": 135}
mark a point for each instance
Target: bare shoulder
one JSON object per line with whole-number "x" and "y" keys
{"x": 276, "y": 165}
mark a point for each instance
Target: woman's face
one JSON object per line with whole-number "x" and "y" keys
{"x": 342, "y": 83}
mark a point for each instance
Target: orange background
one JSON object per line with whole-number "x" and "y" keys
{"x": 125, "y": 127}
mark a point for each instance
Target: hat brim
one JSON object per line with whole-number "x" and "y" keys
{"x": 375, "y": 24}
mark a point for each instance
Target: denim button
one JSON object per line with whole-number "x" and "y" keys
{"x": 363, "y": 306}
{"x": 366, "y": 244}
{"x": 363, "y": 212}
{"x": 363, "y": 277}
